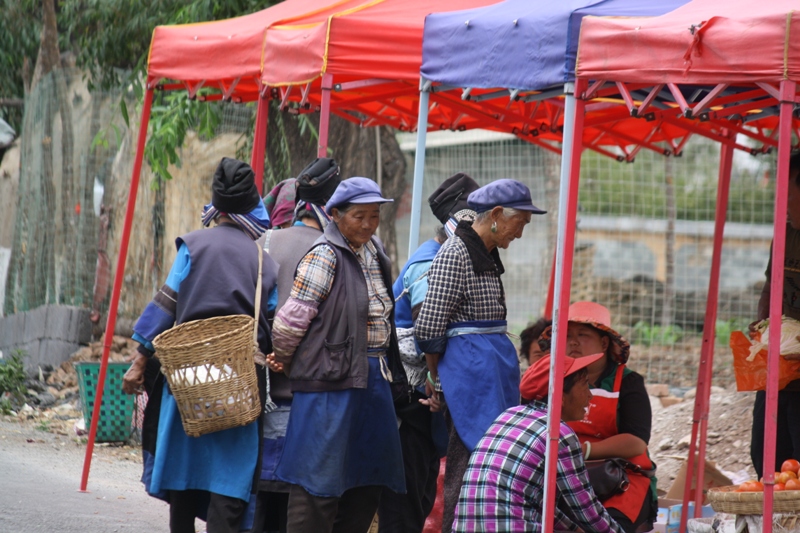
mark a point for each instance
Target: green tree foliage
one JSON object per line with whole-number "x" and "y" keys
{"x": 20, "y": 26}
{"x": 111, "y": 38}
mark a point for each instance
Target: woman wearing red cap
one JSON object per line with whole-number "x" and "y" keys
{"x": 618, "y": 421}
{"x": 503, "y": 487}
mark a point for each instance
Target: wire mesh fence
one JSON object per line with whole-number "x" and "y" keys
{"x": 643, "y": 246}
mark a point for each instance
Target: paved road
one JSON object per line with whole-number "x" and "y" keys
{"x": 39, "y": 479}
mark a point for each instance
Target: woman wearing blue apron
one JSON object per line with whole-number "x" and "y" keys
{"x": 462, "y": 326}
{"x": 335, "y": 336}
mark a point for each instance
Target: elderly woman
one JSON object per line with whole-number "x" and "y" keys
{"x": 504, "y": 485}
{"x": 214, "y": 274}
{"x": 462, "y": 325}
{"x": 334, "y": 335}
{"x": 617, "y": 423}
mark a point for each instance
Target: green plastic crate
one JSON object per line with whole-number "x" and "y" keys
{"x": 116, "y": 413}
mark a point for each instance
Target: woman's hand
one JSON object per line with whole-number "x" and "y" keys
{"x": 273, "y": 364}
{"x": 433, "y": 401}
{"x": 133, "y": 380}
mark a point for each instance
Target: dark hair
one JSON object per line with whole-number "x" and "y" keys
{"x": 794, "y": 166}
{"x": 441, "y": 234}
{"x": 531, "y": 334}
{"x": 574, "y": 378}
{"x": 302, "y": 213}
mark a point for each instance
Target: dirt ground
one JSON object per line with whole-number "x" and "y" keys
{"x": 728, "y": 441}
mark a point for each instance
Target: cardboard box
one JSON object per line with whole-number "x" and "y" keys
{"x": 711, "y": 478}
{"x": 674, "y": 516}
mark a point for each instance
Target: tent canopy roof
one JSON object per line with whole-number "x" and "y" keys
{"x": 516, "y": 44}
{"x": 373, "y": 39}
{"x": 226, "y": 50}
{"x": 702, "y": 42}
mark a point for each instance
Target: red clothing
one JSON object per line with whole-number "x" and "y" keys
{"x": 599, "y": 424}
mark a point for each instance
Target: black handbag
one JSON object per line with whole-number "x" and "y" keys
{"x": 609, "y": 477}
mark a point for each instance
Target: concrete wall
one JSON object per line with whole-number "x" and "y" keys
{"x": 48, "y": 334}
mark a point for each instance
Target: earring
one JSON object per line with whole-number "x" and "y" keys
{"x": 494, "y": 227}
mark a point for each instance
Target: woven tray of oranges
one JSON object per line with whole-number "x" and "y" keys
{"x": 748, "y": 497}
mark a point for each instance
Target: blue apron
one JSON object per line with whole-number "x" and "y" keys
{"x": 480, "y": 375}
{"x": 222, "y": 462}
{"x": 339, "y": 440}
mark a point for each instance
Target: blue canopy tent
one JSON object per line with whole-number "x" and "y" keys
{"x": 519, "y": 52}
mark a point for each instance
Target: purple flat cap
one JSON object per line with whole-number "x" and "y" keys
{"x": 356, "y": 191}
{"x": 503, "y": 193}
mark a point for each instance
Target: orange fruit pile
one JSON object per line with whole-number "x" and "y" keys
{"x": 786, "y": 479}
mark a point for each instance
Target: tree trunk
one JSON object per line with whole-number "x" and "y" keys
{"x": 49, "y": 56}
{"x": 289, "y": 150}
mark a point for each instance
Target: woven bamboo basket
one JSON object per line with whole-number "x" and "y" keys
{"x": 210, "y": 370}
{"x": 727, "y": 500}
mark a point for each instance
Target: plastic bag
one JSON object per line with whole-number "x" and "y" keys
{"x": 751, "y": 373}
{"x": 790, "y": 329}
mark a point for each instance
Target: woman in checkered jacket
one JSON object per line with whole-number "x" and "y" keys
{"x": 461, "y": 327}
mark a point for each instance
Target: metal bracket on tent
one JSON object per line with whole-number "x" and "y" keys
{"x": 465, "y": 93}
{"x": 770, "y": 90}
{"x": 304, "y": 98}
{"x": 640, "y": 111}
{"x": 626, "y": 96}
{"x": 544, "y": 95}
{"x": 593, "y": 88}
{"x": 487, "y": 96}
{"x": 698, "y": 109}
{"x": 680, "y": 100}
{"x": 193, "y": 90}
{"x": 285, "y": 92}
{"x": 348, "y": 85}
{"x": 677, "y": 149}
{"x": 228, "y": 91}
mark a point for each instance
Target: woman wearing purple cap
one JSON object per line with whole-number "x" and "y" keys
{"x": 335, "y": 337}
{"x": 462, "y": 325}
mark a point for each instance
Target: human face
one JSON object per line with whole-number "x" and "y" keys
{"x": 575, "y": 402}
{"x": 509, "y": 228}
{"x": 535, "y": 353}
{"x": 358, "y": 225}
{"x": 583, "y": 340}
{"x": 793, "y": 201}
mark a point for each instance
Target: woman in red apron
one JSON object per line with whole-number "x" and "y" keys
{"x": 618, "y": 419}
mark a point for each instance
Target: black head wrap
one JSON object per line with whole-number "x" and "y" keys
{"x": 451, "y": 196}
{"x": 318, "y": 180}
{"x": 234, "y": 188}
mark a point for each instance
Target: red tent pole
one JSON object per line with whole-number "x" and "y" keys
{"x": 567, "y": 216}
{"x": 325, "y": 115}
{"x": 701, "y": 400}
{"x": 260, "y": 140}
{"x": 119, "y": 275}
{"x": 551, "y": 288}
{"x": 788, "y": 90}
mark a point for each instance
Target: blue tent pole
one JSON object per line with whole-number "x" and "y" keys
{"x": 419, "y": 166}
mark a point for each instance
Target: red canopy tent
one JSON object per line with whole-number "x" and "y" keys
{"x": 733, "y": 65}
{"x": 373, "y": 47}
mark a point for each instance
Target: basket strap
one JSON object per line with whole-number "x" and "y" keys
{"x": 258, "y": 292}
{"x": 269, "y": 405}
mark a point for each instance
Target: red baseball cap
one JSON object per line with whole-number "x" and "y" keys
{"x": 535, "y": 382}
